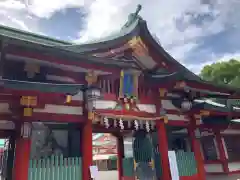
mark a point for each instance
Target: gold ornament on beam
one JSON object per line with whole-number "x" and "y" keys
{"x": 91, "y": 77}
{"x": 28, "y": 101}
{"x": 165, "y": 120}
{"x": 204, "y": 113}
{"x": 139, "y": 48}
{"x": 68, "y": 98}
{"x": 162, "y": 92}
{"x": 27, "y": 111}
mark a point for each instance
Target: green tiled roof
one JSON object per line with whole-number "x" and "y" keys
{"x": 44, "y": 87}
{"x": 30, "y": 37}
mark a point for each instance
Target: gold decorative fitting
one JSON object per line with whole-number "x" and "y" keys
{"x": 90, "y": 115}
{"x": 91, "y": 77}
{"x": 68, "y": 98}
{"x": 165, "y": 119}
{"x": 28, "y": 101}
{"x": 162, "y": 92}
{"x": 204, "y": 113}
{"x": 27, "y": 112}
{"x": 138, "y": 46}
{"x": 32, "y": 69}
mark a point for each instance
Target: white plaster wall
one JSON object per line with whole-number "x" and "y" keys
{"x": 212, "y": 168}
{"x": 234, "y": 166}
{"x": 150, "y": 108}
{"x": 60, "y": 109}
{"x": 105, "y": 175}
{"x": 166, "y": 104}
{"x": 175, "y": 117}
{"x": 101, "y": 104}
{"x": 4, "y": 108}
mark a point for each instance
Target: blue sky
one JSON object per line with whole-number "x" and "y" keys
{"x": 195, "y": 32}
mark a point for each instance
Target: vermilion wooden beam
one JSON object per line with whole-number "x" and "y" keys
{"x": 73, "y": 62}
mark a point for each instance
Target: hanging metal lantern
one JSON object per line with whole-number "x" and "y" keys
{"x": 93, "y": 93}
{"x": 26, "y": 130}
{"x": 186, "y": 105}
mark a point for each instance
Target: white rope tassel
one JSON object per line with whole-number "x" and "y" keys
{"x": 141, "y": 124}
{"x": 152, "y": 125}
{"x": 115, "y": 123}
{"x": 129, "y": 124}
{"x": 136, "y": 125}
{"x": 121, "y": 124}
{"x": 106, "y": 122}
{"x": 147, "y": 126}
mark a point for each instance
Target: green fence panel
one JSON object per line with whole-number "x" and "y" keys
{"x": 55, "y": 168}
{"x": 186, "y": 163}
{"x": 128, "y": 168}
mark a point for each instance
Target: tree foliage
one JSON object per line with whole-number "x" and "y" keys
{"x": 223, "y": 73}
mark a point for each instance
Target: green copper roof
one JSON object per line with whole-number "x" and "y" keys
{"x": 43, "y": 87}
{"x": 30, "y": 37}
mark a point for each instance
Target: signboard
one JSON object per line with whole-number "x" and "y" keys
{"x": 94, "y": 172}
{"x": 173, "y": 165}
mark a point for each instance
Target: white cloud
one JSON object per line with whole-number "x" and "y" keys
{"x": 107, "y": 16}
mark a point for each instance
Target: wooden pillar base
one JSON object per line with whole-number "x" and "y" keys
{"x": 87, "y": 157}
{"x": 197, "y": 151}
{"x": 22, "y": 157}
{"x": 163, "y": 150}
{"x": 221, "y": 151}
{"x": 120, "y": 151}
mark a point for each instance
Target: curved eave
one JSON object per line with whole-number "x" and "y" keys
{"x": 145, "y": 34}
{"x": 213, "y": 106}
{"x": 111, "y": 41}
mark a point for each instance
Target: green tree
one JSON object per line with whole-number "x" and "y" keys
{"x": 223, "y": 73}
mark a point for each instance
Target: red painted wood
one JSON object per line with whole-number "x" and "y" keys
{"x": 194, "y": 177}
{"x": 22, "y": 155}
{"x": 87, "y": 156}
{"x": 55, "y": 118}
{"x": 222, "y": 155}
{"x": 128, "y": 178}
{"x": 120, "y": 153}
{"x": 127, "y": 113}
{"x": 163, "y": 149}
{"x": 52, "y": 59}
{"x": 195, "y": 145}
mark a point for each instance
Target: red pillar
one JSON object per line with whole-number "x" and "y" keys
{"x": 221, "y": 151}
{"x": 163, "y": 149}
{"x": 120, "y": 151}
{"x": 197, "y": 151}
{"x": 22, "y": 156}
{"x": 87, "y": 156}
